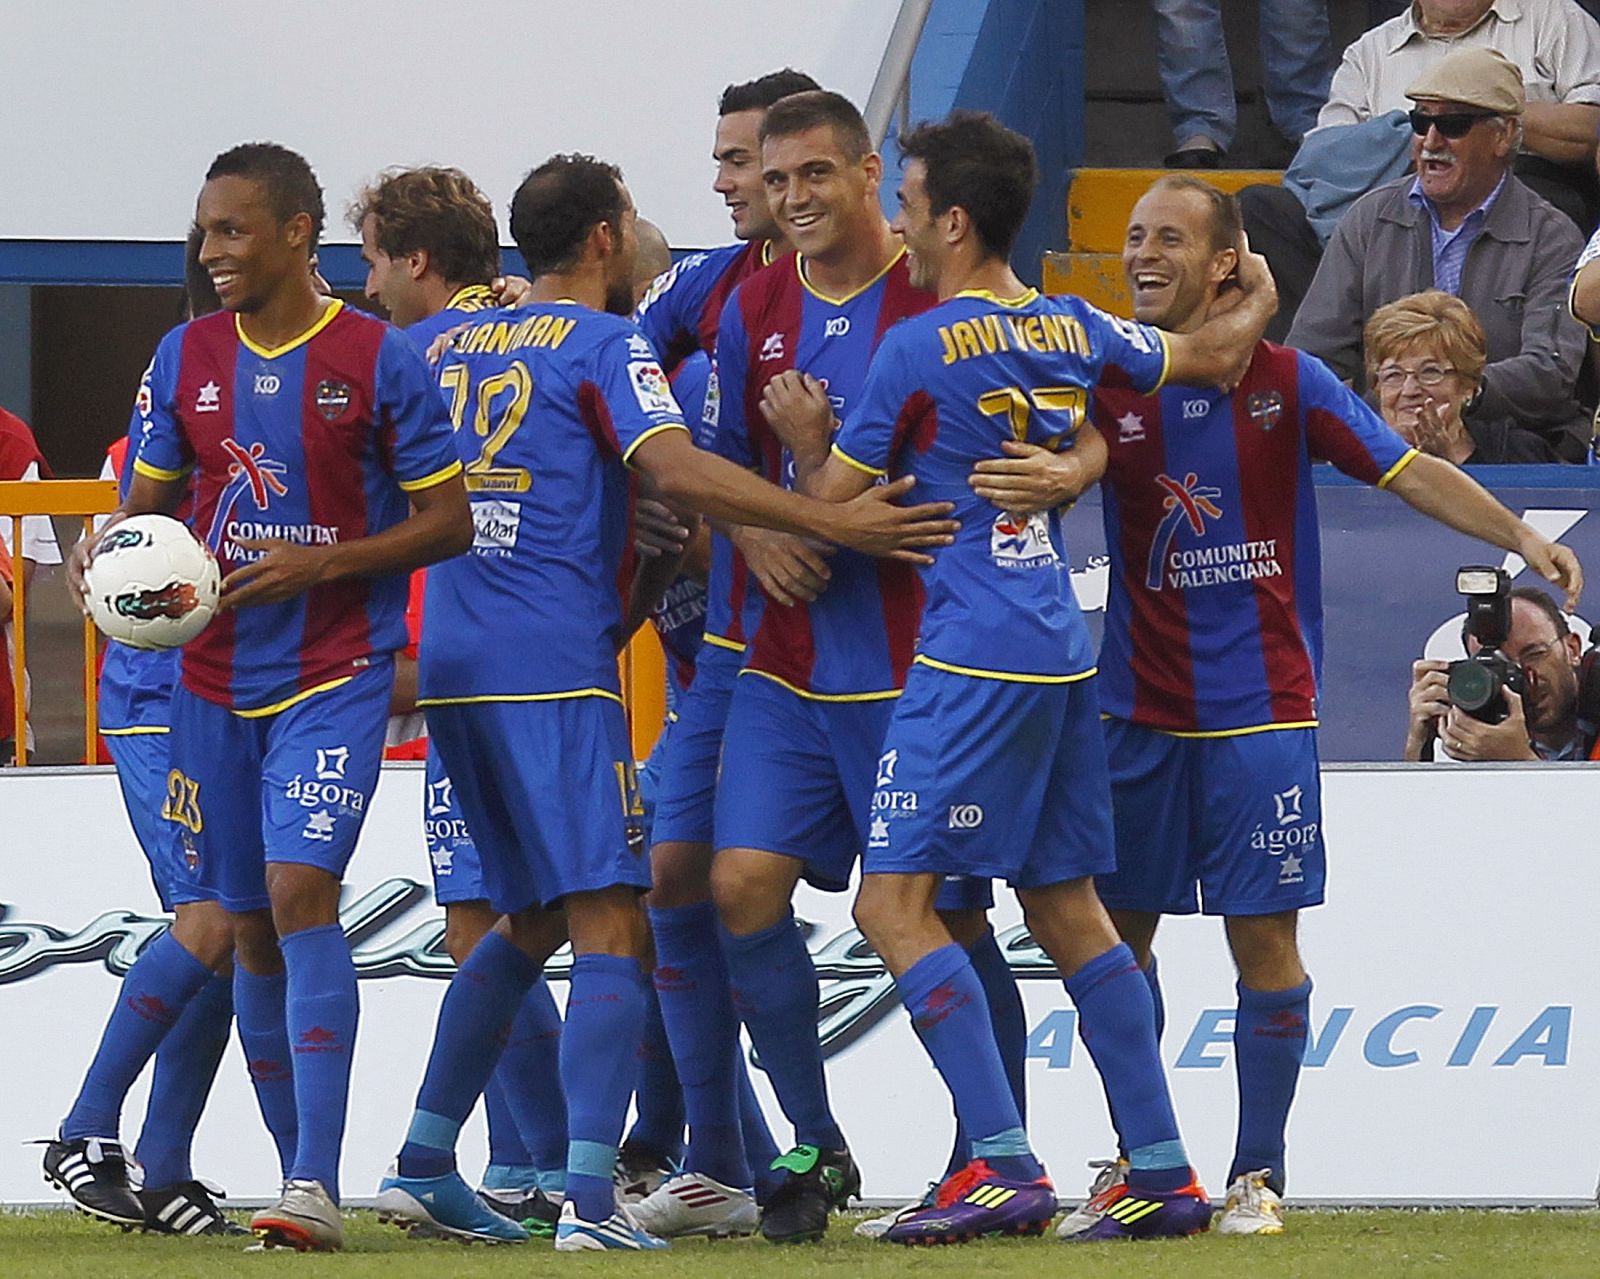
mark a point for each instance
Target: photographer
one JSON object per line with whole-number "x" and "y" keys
{"x": 1540, "y": 724}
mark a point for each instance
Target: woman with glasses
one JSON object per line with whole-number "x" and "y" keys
{"x": 1425, "y": 358}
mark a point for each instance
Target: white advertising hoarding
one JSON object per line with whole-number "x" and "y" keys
{"x": 117, "y": 109}
{"x": 1452, "y": 1056}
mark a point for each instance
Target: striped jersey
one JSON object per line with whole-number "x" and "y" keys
{"x": 946, "y": 388}
{"x": 315, "y": 442}
{"x": 680, "y": 315}
{"x": 680, "y": 616}
{"x": 683, "y": 306}
{"x": 549, "y": 401}
{"x": 855, "y": 640}
{"x": 1214, "y": 612}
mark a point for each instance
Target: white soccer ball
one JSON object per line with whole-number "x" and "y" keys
{"x": 152, "y": 583}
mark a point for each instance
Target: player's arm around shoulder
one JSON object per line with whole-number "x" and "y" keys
{"x": 1220, "y": 350}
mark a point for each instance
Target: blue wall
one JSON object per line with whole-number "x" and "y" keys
{"x": 1022, "y": 60}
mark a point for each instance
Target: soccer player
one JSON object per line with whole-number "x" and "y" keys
{"x": 809, "y": 709}
{"x": 730, "y": 1147}
{"x": 176, "y": 1001}
{"x": 432, "y": 251}
{"x": 323, "y": 468}
{"x": 538, "y": 750}
{"x": 1213, "y": 648}
{"x": 994, "y": 764}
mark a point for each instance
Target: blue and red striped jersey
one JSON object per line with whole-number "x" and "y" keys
{"x": 856, "y": 639}
{"x": 1214, "y": 613}
{"x": 314, "y": 442}
{"x": 680, "y": 617}
{"x": 549, "y": 401}
{"x": 683, "y": 306}
{"x": 946, "y": 388}
{"x": 680, "y": 315}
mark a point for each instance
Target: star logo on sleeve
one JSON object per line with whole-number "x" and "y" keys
{"x": 319, "y": 826}
{"x": 878, "y": 836}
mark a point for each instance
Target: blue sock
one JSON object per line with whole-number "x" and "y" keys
{"x": 259, "y": 1012}
{"x": 691, "y": 984}
{"x": 1152, "y": 977}
{"x": 186, "y": 1066}
{"x": 1006, "y": 1013}
{"x": 657, "y": 1095}
{"x": 321, "y": 1009}
{"x": 1010, "y": 1022}
{"x": 944, "y": 997}
{"x": 510, "y": 1167}
{"x": 774, "y": 986}
{"x": 1269, "y": 1045}
{"x": 529, "y": 1081}
{"x": 479, "y": 1005}
{"x": 599, "y": 1063}
{"x": 152, "y": 999}
{"x": 760, "y": 1147}
{"x": 1117, "y": 1023}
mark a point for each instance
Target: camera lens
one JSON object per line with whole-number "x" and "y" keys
{"x": 1472, "y": 686}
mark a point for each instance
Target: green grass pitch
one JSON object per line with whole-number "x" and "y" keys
{"x": 48, "y": 1245}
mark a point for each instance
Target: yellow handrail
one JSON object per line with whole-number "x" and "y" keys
{"x": 643, "y": 663}
{"x": 85, "y": 498}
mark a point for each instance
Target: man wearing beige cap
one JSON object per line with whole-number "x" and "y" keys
{"x": 1465, "y": 224}
{"x": 1359, "y": 141}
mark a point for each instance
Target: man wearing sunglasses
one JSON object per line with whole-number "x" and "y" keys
{"x": 1464, "y": 223}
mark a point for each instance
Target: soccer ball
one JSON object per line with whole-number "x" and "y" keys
{"x": 152, "y": 583}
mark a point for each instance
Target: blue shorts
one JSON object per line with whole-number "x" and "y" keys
{"x": 992, "y": 778}
{"x": 293, "y": 786}
{"x": 1239, "y": 818}
{"x": 142, "y": 766}
{"x": 687, "y": 759}
{"x": 547, "y": 789}
{"x": 797, "y": 777}
{"x": 452, "y": 856}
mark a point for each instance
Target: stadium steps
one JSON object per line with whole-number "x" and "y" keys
{"x": 1098, "y": 204}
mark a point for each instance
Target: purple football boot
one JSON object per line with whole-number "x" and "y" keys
{"x": 1139, "y": 1214}
{"x": 977, "y": 1201}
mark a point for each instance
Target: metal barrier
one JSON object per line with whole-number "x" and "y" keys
{"x": 642, "y": 666}
{"x": 19, "y": 498}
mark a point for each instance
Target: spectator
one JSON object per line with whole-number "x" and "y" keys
{"x": 8, "y": 703}
{"x": 20, "y": 459}
{"x": 1555, "y": 45}
{"x": 1543, "y": 722}
{"x": 1464, "y": 225}
{"x": 1425, "y": 358}
{"x": 1296, "y": 57}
